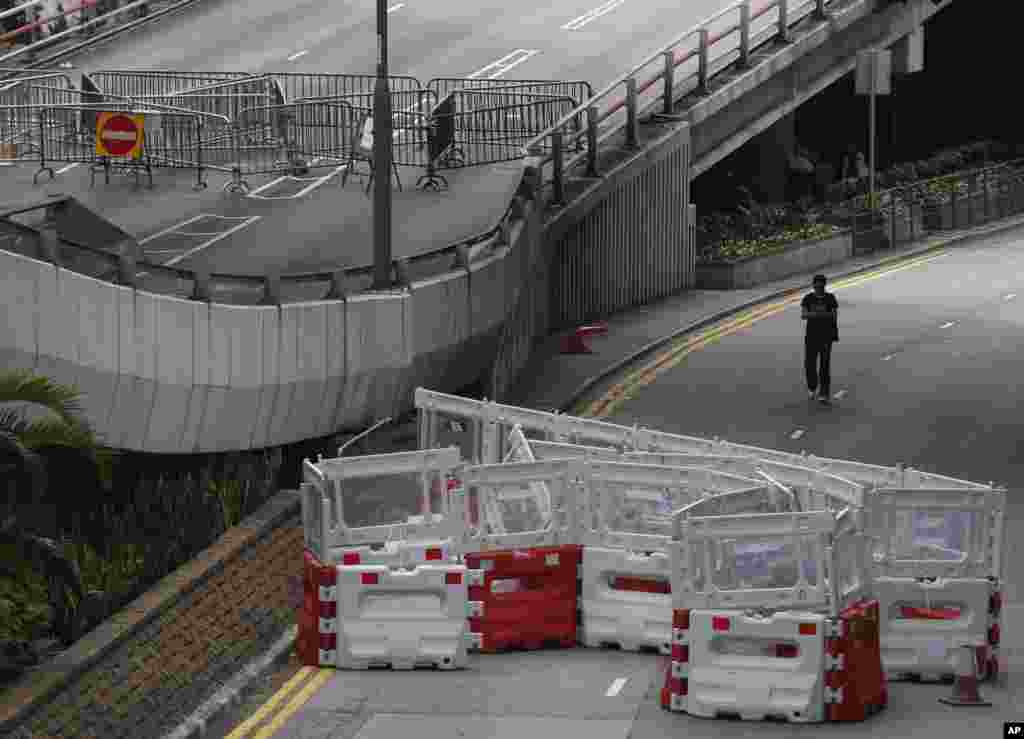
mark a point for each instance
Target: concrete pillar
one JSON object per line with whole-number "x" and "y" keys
{"x": 771, "y": 160}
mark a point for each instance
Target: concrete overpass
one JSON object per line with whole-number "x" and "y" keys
{"x": 166, "y": 374}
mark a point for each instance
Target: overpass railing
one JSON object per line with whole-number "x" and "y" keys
{"x": 685, "y": 64}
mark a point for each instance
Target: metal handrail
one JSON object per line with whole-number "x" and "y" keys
{"x": 672, "y": 59}
{"x": 77, "y": 29}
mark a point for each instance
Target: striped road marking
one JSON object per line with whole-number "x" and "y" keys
{"x": 592, "y": 15}
{"x": 503, "y": 65}
{"x": 283, "y": 704}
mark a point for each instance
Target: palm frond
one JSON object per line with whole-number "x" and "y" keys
{"x": 23, "y": 386}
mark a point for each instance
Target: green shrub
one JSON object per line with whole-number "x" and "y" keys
{"x": 736, "y": 249}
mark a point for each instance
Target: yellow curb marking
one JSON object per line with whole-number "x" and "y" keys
{"x": 632, "y": 381}
{"x": 294, "y": 704}
{"x": 267, "y": 708}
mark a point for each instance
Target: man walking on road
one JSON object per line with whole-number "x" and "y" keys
{"x": 821, "y": 311}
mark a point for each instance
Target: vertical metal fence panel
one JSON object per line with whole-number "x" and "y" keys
{"x": 631, "y": 248}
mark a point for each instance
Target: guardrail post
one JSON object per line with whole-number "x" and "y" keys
{"x": 592, "y": 141}
{"x": 461, "y": 260}
{"x": 631, "y": 121}
{"x": 558, "y": 167}
{"x": 744, "y": 60}
{"x": 783, "y": 21}
{"x": 819, "y": 10}
{"x": 272, "y": 289}
{"x": 402, "y": 272}
{"x": 201, "y": 285}
{"x": 702, "y": 62}
{"x": 48, "y": 246}
{"x": 126, "y": 270}
{"x": 670, "y": 74}
{"x": 337, "y": 289}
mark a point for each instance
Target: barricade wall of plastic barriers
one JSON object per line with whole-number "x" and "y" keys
{"x": 782, "y": 585}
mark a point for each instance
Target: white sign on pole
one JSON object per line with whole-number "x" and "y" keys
{"x": 366, "y": 140}
{"x": 874, "y": 70}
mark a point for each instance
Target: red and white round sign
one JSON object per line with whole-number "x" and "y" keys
{"x": 119, "y": 134}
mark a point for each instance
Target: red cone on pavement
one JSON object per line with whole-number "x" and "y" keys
{"x": 965, "y": 688}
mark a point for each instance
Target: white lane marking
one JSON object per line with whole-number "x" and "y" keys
{"x": 261, "y": 188}
{"x": 172, "y": 229}
{"x": 507, "y": 62}
{"x": 592, "y": 15}
{"x": 839, "y": 395}
{"x": 315, "y": 183}
{"x": 615, "y": 687}
{"x": 947, "y": 324}
{"x": 297, "y": 54}
{"x": 68, "y": 168}
{"x": 396, "y": 6}
{"x": 211, "y": 242}
{"x": 796, "y": 434}
{"x": 1011, "y": 296}
{"x": 887, "y": 357}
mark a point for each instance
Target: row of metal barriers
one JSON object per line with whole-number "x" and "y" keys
{"x": 245, "y": 124}
{"x": 778, "y": 587}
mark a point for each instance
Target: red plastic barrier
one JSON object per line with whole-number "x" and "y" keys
{"x": 933, "y": 614}
{"x": 576, "y": 342}
{"x": 538, "y": 608}
{"x": 860, "y": 676}
{"x": 309, "y": 641}
{"x": 641, "y": 585}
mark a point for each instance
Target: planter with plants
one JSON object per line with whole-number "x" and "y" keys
{"x": 739, "y": 263}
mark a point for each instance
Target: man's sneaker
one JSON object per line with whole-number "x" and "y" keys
{"x": 812, "y": 394}
{"x": 824, "y": 398}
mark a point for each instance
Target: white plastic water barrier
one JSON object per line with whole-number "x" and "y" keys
{"x": 756, "y": 667}
{"x": 403, "y": 618}
{"x": 625, "y": 599}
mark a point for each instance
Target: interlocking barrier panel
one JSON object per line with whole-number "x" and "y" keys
{"x": 797, "y": 666}
{"x": 527, "y": 598}
{"x": 328, "y": 483}
{"x": 403, "y": 619}
{"x": 626, "y": 600}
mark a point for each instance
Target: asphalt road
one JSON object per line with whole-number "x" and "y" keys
{"x": 928, "y": 371}
{"x": 426, "y": 39}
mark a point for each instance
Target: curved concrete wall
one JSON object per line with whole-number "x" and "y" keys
{"x": 161, "y": 374}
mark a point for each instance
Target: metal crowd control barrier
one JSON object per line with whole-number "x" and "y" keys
{"x": 621, "y": 104}
{"x": 18, "y": 129}
{"x": 171, "y": 138}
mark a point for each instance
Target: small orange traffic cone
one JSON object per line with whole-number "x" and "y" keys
{"x": 965, "y": 688}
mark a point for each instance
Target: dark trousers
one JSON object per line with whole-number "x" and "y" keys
{"x": 817, "y": 361}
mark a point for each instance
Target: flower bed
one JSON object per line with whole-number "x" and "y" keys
{"x": 742, "y": 264}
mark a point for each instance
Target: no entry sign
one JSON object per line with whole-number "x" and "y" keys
{"x": 119, "y": 135}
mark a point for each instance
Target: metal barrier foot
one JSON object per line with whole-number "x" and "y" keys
{"x": 237, "y": 187}
{"x": 40, "y": 171}
{"x": 432, "y": 183}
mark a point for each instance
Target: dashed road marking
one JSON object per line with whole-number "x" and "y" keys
{"x": 503, "y": 65}
{"x": 1011, "y": 296}
{"x": 68, "y": 168}
{"x": 947, "y": 324}
{"x": 887, "y": 357}
{"x": 616, "y": 687}
{"x": 212, "y": 237}
{"x": 796, "y": 434}
{"x": 298, "y": 54}
{"x": 839, "y": 395}
{"x": 396, "y": 6}
{"x": 592, "y": 15}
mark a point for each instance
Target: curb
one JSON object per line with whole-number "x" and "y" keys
{"x": 281, "y": 507}
{"x": 236, "y": 689}
{"x": 619, "y": 365}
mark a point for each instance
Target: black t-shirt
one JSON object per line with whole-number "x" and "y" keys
{"x": 819, "y": 329}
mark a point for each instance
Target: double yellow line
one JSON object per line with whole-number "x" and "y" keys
{"x": 678, "y": 349}
{"x": 292, "y": 696}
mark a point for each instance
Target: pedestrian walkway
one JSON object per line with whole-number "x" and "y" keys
{"x": 555, "y": 381}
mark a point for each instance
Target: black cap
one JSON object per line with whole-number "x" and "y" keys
{"x": 818, "y": 278}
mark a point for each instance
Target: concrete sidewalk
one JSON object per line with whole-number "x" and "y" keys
{"x": 555, "y": 381}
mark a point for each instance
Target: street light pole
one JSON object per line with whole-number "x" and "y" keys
{"x": 382, "y": 158}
